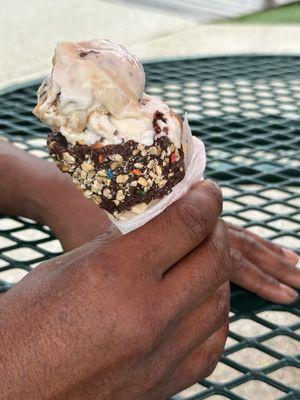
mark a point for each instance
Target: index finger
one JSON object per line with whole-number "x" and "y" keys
{"x": 171, "y": 235}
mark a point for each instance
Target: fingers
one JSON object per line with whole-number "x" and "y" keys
{"x": 252, "y": 278}
{"x": 185, "y": 334}
{"x": 200, "y": 363}
{"x": 199, "y": 274}
{"x": 182, "y": 342}
{"x": 272, "y": 263}
{"x": 288, "y": 255}
{"x": 174, "y": 233}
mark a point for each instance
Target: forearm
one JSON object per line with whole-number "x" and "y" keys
{"x": 29, "y": 346}
{"x": 39, "y": 337}
{"x": 19, "y": 173}
{"x": 36, "y": 189}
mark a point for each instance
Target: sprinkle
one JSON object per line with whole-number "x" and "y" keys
{"x": 172, "y": 158}
{"x": 140, "y": 192}
{"x": 138, "y": 165}
{"x": 100, "y": 158}
{"x": 136, "y": 172}
{"x": 110, "y": 174}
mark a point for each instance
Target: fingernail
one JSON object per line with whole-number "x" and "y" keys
{"x": 290, "y": 293}
{"x": 290, "y": 256}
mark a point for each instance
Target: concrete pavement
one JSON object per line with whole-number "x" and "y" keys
{"x": 29, "y": 31}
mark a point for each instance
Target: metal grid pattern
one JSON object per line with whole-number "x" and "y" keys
{"x": 246, "y": 109}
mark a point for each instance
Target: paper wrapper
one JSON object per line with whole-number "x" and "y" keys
{"x": 195, "y": 161}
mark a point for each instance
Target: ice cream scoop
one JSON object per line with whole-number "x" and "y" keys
{"x": 95, "y": 93}
{"x": 123, "y": 148}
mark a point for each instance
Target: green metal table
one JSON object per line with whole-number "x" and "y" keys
{"x": 246, "y": 110}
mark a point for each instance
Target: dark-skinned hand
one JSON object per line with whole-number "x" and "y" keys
{"x": 128, "y": 318}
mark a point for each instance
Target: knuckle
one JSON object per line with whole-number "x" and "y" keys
{"x": 238, "y": 260}
{"x": 155, "y": 375}
{"x": 219, "y": 250}
{"x": 278, "y": 250}
{"x": 193, "y": 221}
{"x": 264, "y": 280}
{"x": 215, "y": 192}
{"x": 140, "y": 328}
{"x": 271, "y": 280}
{"x": 198, "y": 218}
{"x": 218, "y": 312}
{"x": 213, "y": 357}
{"x": 250, "y": 242}
{"x": 223, "y": 303}
{"x": 211, "y": 361}
{"x": 140, "y": 340}
{"x": 148, "y": 329}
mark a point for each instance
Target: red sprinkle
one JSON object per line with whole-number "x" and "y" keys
{"x": 136, "y": 172}
{"x": 100, "y": 158}
{"x": 172, "y": 158}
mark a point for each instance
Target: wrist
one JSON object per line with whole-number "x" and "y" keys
{"x": 74, "y": 219}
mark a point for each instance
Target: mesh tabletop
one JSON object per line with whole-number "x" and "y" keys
{"x": 246, "y": 110}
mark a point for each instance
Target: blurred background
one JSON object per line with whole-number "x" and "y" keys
{"x": 152, "y": 29}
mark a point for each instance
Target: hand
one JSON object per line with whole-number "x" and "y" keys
{"x": 263, "y": 267}
{"x": 36, "y": 189}
{"x": 132, "y": 318}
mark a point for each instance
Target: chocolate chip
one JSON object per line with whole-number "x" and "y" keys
{"x": 158, "y": 116}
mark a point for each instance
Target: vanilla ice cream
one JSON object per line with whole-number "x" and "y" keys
{"x": 95, "y": 93}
